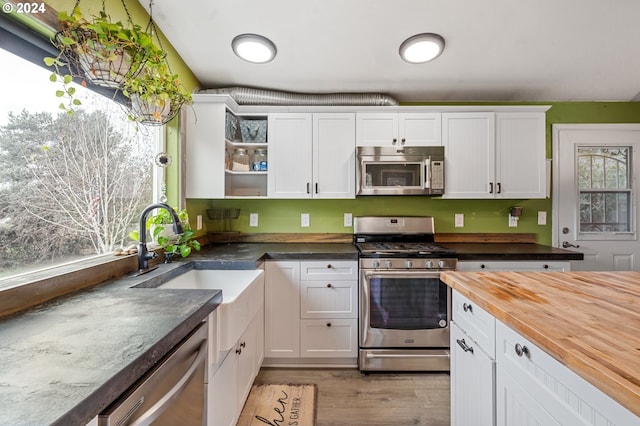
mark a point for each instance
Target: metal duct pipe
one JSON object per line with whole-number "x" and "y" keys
{"x": 250, "y": 96}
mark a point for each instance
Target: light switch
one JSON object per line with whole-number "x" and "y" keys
{"x": 199, "y": 222}
{"x": 459, "y": 220}
{"x": 513, "y": 221}
{"x": 348, "y": 219}
{"x": 542, "y": 217}
{"x": 253, "y": 219}
{"x": 304, "y": 220}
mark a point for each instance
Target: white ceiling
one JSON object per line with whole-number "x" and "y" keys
{"x": 496, "y": 50}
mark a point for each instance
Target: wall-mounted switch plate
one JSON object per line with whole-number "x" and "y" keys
{"x": 199, "y": 222}
{"x": 304, "y": 220}
{"x": 348, "y": 219}
{"x": 513, "y": 221}
{"x": 459, "y": 220}
{"x": 253, "y": 219}
{"x": 542, "y": 217}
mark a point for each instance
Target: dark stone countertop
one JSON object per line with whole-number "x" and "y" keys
{"x": 511, "y": 252}
{"x": 64, "y": 361}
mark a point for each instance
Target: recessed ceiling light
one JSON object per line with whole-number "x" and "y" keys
{"x": 421, "y": 48}
{"x": 254, "y": 48}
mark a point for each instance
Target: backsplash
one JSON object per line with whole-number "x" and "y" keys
{"x": 327, "y": 216}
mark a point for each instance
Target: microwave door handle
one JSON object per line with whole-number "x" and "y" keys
{"x": 427, "y": 173}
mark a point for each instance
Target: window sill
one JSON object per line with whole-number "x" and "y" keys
{"x": 25, "y": 291}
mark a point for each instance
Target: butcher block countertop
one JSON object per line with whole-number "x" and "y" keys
{"x": 589, "y": 321}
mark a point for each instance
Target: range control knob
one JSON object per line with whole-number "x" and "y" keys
{"x": 441, "y": 264}
{"x": 376, "y": 264}
{"x": 387, "y": 263}
{"x": 428, "y": 264}
{"x": 408, "y": 264}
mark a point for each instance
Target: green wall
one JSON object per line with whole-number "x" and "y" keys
{"x": 480, "y": 215}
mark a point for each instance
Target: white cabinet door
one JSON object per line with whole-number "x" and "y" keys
{"x": 398, "y": 129}
{"x": 329, "y": 338}
{"x": 533, "y": 385}
{"x": 282, "y": 309}
{"x": 289, "y": 156}
{"x": 521, "y": 155}
{"x": 246, "y": 351}
{"x": 222, "y": 393}
{"x": 334, "y": 137}
{"x": 204, "y": 150}
{"x": 472, "y": 382}
{"x": 329, "y": 299}
{"x": 420, "y": 129}
{"x": 469, "y": 151}
{"x": 376, "y": 129}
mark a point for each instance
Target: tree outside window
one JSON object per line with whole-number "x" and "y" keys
{"x": 71, "y": 186}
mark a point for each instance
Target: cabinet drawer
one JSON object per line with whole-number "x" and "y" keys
{"x": 329, "y": 299}
{"x": 329, "y": 338}
{"x": 566, "y": 396}
{"x": 479, "y": 324}
{"x": 511, "y": 265}
{"x": 329, "y": 270}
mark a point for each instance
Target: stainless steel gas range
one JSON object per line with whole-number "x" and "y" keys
{"x": 404, "y": 308}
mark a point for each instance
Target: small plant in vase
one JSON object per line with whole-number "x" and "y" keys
{"x": 161, "y": 231}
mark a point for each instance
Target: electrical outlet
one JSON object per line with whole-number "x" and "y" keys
{"x": 513, "y": 221}
{"x": 304, "y": 220}
{"x": 542, "y": 217}
{"x": 459, "y": 220}
{"x": 348, "y": 219}
{"x": 253, "y": 220}
{"x": 199, "y": 222}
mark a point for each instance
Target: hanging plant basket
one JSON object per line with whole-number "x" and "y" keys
{"x": 102, "y": 52}
{"x": 153, "y": 110}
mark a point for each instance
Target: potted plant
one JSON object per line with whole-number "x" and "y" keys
{"x": 100, "y": 51}
{"x": 163, "y": 235}
{"x": 155, "y": 94}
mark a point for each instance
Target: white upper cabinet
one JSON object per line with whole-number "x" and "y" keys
{"x": 204, "y": 150}
{"x": 398, "y": 129}
{"x": 311, "y": 155}
{"x": 494, "y": 155}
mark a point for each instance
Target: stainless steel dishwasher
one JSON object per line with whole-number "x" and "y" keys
{"x": 172, "y": 393}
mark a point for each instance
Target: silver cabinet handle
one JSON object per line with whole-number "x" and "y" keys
{"x": 464, "y": 345}
{"x": 522, "y": 350}
{"x": 158, "y": 408}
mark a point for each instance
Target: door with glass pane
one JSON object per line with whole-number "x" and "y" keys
{"x": 595, "y": 194}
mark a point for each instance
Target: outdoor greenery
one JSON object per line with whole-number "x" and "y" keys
{"x": 70, "y": 186}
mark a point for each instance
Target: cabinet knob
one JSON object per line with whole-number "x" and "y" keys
{"x": 243, "y": 344}
{"x": 467, "y": 307}
{"x": 329, "y": 266}
{"x": 483, "y": 266}
{"x": 328, "y": 324}
{"x": 402, "y": 141}
{"x": 239, "y": 351}
{"x": 545, "y": 266}
{"x": 522, "y": 350}
{"x": 394, "y": 141}
{"x": 329, "y": 285}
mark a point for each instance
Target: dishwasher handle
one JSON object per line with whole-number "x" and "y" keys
{"x": 158, "y": 408}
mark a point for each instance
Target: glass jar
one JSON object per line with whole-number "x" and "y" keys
{"x": 227, "y": 160}
{"x": 240, "y": 160}
{"x": 259, "y": 161}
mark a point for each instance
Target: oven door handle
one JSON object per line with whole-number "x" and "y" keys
{"x": 370, "y": 355}
{"x": 400, "y": 274}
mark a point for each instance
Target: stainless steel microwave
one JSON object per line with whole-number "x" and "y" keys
{"x": 400, "y": 171}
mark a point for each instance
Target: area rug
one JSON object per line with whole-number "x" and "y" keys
{"x": 280, "y": 405}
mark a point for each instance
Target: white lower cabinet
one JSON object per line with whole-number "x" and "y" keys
{"x": 472, "y": 364}
{"x": 532, "y": 388}
{"x": 311, "y": 311}
{"x": 230, "y": 380}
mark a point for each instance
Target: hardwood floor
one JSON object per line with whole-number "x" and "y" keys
{"x": 347, "y": 397}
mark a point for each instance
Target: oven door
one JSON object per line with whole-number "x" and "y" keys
{"x": 404, "y": 309}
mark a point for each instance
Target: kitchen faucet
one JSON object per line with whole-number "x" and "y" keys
{"x": 143, "y": 255}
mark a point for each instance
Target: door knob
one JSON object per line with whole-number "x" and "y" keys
{"x": 567, "y": 244}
